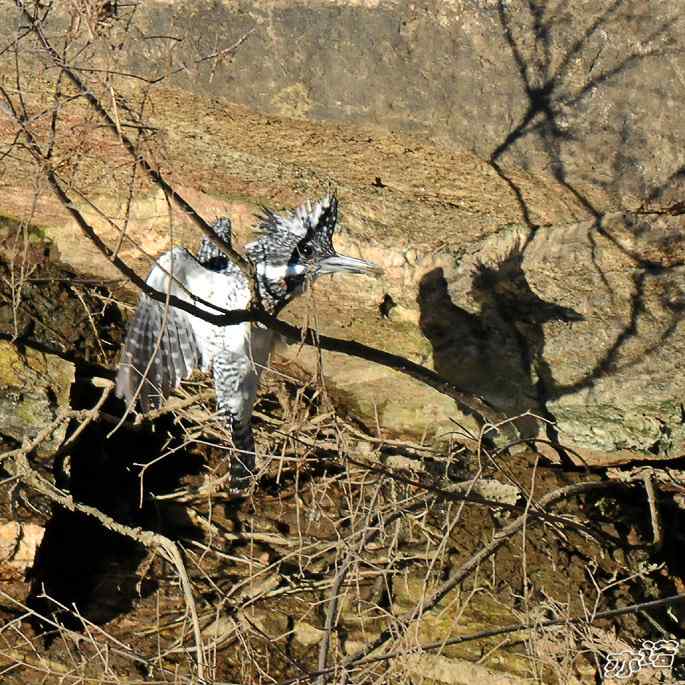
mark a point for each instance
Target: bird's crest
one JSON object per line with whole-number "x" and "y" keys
{"x": 301, "y": 221}
{"x": 296, "y": 247}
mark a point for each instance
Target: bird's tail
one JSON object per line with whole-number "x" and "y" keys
{"x": 243, "y": 459}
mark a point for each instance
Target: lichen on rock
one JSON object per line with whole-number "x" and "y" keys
{"x": 34, "y": 387}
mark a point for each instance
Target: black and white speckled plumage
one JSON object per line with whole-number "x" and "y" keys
{"x": 209, "y": 255}
{"x": 165, "y": 344}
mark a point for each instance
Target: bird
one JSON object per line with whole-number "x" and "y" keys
{"x": 165, "y": 344}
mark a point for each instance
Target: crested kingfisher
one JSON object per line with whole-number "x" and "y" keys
{"x": 165, "y": 344}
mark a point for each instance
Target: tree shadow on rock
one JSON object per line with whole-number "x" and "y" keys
{"x": 548, "y": 51}
{"x": 555, "y": 122}
{"x": 497, "y": 353}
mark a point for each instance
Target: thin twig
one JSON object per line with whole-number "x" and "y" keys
{"x": 657, "y": 534}
{"x": 494, "y": 632}
{"x": 130, "y": 146}
{"x": 332, "y": 610}
{"x": 474, "y": 561}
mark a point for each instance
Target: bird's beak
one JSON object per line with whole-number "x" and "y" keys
{"x": 339, "y": 263}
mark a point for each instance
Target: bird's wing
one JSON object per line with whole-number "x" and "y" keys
{"x": 164, "y": 344}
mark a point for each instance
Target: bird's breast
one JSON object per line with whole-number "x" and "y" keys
{"x": 261, "y": 345}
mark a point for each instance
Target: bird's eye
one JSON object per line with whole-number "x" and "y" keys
{"x": 306, "y": 250}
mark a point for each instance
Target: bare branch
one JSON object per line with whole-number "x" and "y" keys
{"x": 529, "y": 518}
{"x": 130, "y": 146}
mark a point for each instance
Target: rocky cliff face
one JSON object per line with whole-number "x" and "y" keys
{"x": 585, "y": 93}
{"x": 516, "y": 167}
